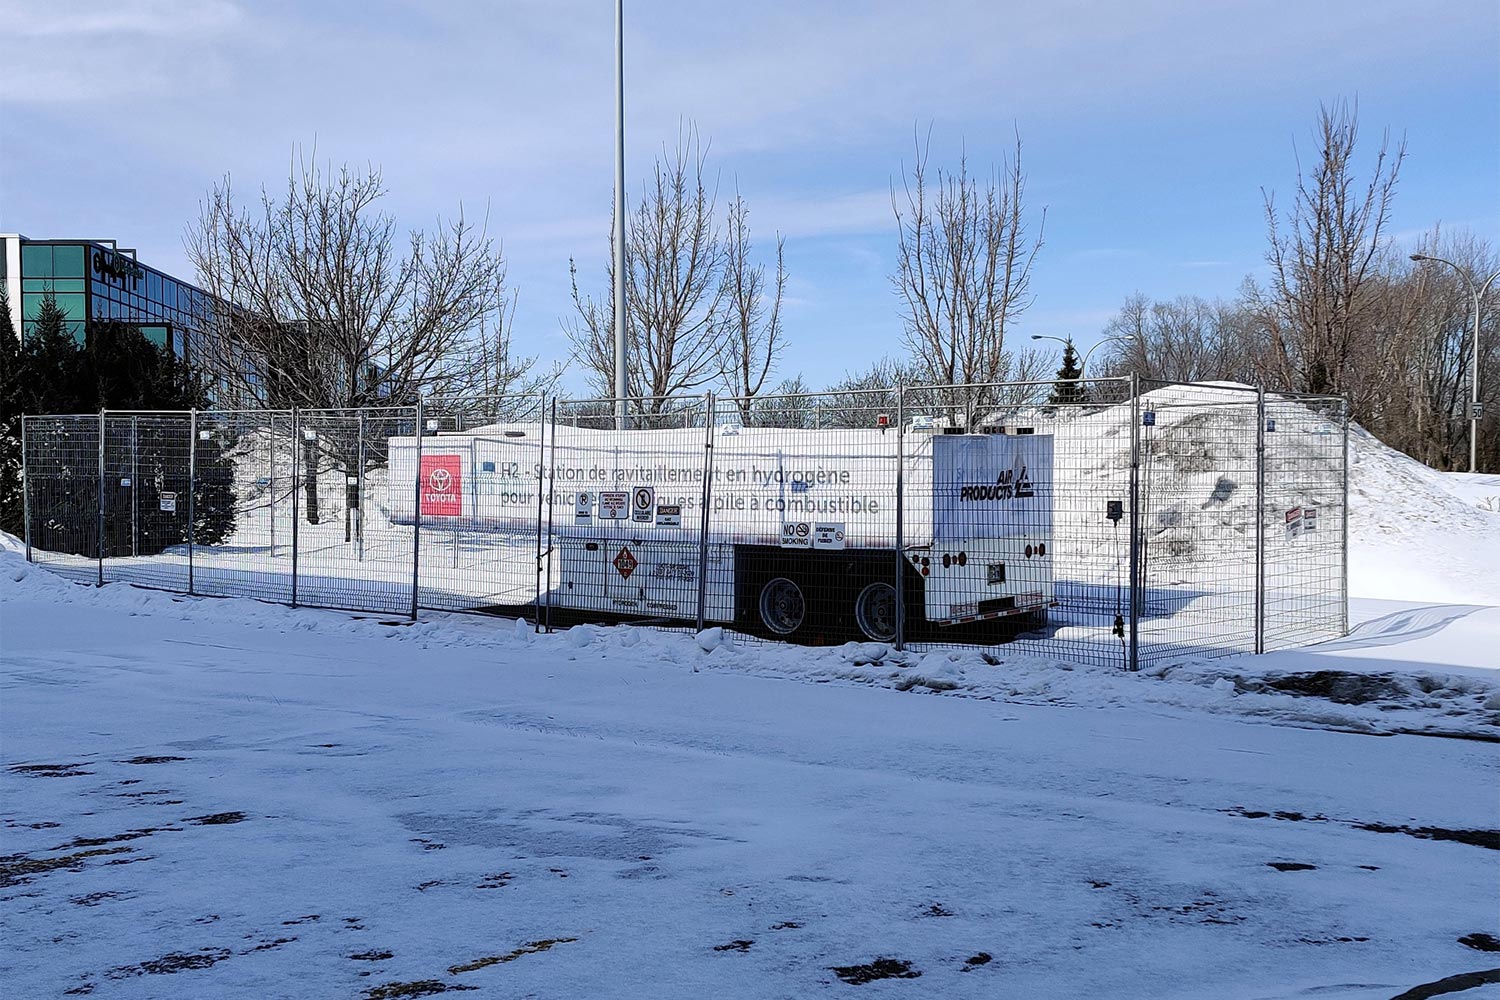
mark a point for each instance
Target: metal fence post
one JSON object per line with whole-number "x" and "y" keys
{"x": 1134, "y": 650}
{"x": 25, "y": 489}
{"x": 1344, "y": 533}
{"x": 543, "y": 489}
{"x": 192, "y": 497}
{"x": 271, "y": 423}
{"x": 135, "y": 485}
{"x": 296, "y": 500}
{"x": 706, "y": 493}
{"x": 551, "y": 541}
{"x": 101, "y": 499}
{"x": 359, "y": 489}
{"x": 1260, "y": 519}
{"x": 900, "y": 516}
{"x": 416, "y": 521}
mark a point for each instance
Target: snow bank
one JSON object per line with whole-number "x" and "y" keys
{"x": 1419, "y": 534}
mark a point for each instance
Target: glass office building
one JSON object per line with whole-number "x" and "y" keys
{"x": 96, "y": 281}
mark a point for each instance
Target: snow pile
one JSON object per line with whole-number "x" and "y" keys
{"x": 1419, "y": 534}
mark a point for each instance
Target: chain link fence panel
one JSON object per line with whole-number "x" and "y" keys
{"x": 481, "y": 502}
{"x": 61, "y": 473}
{"x": 1099, "y": 521}
{"x": 1306, "y": 450}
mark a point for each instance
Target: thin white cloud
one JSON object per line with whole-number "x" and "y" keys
{"x": 178, "y": 19}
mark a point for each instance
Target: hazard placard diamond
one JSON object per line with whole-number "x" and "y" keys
{"x": 625, "y": 563}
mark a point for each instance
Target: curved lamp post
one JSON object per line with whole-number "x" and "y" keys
{"x": 1083, "y": 366}
{"x": 1477, "y": 294}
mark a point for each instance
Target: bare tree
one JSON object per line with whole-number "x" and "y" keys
{"x": 673, "y": 292}
{"x": 1322, "y": 254}
{"x": 963, "y": 266}
{"x": 1186, "y": 339}
{"x": 752, "y": 331}
{"x": 790, "y": 404}
{"x": 1417, "y": 335}
{"x": 315, "y": 302}
{"x": 319, "y": 304}
{"x": 490, "y": 381}
{"x": 859, "y": 398}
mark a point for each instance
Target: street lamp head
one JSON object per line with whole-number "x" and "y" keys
{"x": 1420, "y": 256}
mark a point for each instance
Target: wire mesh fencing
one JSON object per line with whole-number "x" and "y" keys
{"x": 244, "y": 486}
{"x": 1102, "y": 521}
{"x": 479, "y": 468}
{"x": 147, "y": 499}
{"x": 62, "y": 473}
{"x": 1304, "y": 591}
{"x": 1198, "y": 502}
{"x": 625, "y": 516}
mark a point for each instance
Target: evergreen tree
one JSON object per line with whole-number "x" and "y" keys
{"x": 10, "y": 422}
{"x": 1068, "y": 389}
{"x": 51, "y": 373}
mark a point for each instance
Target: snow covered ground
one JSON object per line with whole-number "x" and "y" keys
{"x": 223, "y": 798}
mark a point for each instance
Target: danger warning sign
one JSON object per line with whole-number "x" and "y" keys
{"x": 625, "y": 563}
{"x": 442, "y": 486}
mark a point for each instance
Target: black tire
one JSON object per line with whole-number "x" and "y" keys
{"x": 782, "y": 606}
{"x": 875, "y": 611}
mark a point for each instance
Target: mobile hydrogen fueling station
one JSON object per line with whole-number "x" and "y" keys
{"x": 801, "y": 536}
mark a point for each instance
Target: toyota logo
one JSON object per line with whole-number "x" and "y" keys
{"x": 440, "y": 480}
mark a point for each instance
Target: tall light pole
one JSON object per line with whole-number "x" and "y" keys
{"x": 620, "y": 274}
{"x": 1084, "y": 364}
{"x": 1477, "y": 293}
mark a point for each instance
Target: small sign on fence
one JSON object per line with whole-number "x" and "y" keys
{"x": 614, "y": 505}
{"x": 828, "y": 536}
{"x": 169, "y": 502}
{"x": 642, "y": 503}
{"x": 796, "y": 535}
{"x": 1293, "y": 523}
{"x": 669, "y": 515}
{"x": 583, "y": 507}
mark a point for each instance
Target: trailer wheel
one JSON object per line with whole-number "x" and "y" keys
{"x": 782, "y": 607}
{"x": 875, "y": 611}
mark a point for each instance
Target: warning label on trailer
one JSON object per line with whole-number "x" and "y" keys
{"x": 442, "y": 486}
{"x": 642, "y": 503}
{"x": 796, "y": 535}
{"x": 828, "y": 536}
{"x": 625, "y": 563}
{"x": 614, "y": 505}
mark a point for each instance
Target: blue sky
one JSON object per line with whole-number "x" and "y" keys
{"x": 1149, "y": 128}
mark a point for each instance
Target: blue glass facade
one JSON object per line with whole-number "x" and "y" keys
{"x": 95, "y": 282}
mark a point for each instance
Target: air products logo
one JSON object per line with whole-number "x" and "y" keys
{"x": 1010, "y": 484}
{"x": 442, "y": 486}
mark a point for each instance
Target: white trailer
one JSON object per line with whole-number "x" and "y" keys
{"x": 802, "y": 532}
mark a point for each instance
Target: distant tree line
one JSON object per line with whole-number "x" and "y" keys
{"x": 1343, "y": 311}
{"x": 328, "y": 304}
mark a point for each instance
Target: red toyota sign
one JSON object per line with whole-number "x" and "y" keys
{"x": 442, "y": 486}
